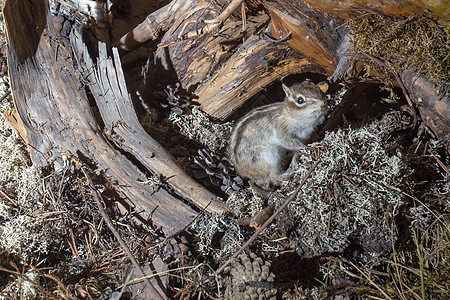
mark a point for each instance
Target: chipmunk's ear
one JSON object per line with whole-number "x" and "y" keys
{"x": 323, "y": 86}
{"x": 287, "y": 90}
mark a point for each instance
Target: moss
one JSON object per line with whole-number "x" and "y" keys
{"x": 400, "y": 43}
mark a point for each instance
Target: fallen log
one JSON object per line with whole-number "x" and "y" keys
{"x": 54, "y": 117}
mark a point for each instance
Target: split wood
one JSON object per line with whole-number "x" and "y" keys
{"x": 210, "y": 24}
{"x": 269, "y": 220}
{"x": 117, "y": 235}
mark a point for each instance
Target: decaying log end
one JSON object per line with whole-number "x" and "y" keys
{"x": 306, "y": 35}
{"x": 255, "y": 65}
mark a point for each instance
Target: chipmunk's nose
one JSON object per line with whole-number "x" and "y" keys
{"x": 320, "y": 103}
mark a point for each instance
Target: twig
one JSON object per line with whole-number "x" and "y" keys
{"x": 26, "y": 278}
{"x": 334, "y": 287}
{"x": 182, "y": 229}
{"x": 440, "y": 163}
{"x": 397, "y": 77}
{"x": 226, "y": 12}
{"x": 269, "y": 220}
{"x": 329, "y": 217}
{"x": 336, "y": 200}
{"x": 371, "y": 282}
{"x": 3, "y": 194}
{"x": 309, "y": 218}
{"x": 244, "y": 18}
{"x": 60, "y": 284}
{"x": 73, "y": 246}
{"x": 117, "y": 235}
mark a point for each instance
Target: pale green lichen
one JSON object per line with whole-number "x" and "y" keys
{"x": 209, "y": 227}
{"x": 355, "y": 191}
{"x": 23, "y": 237}
{"x": 22, "y": 288}
{"x": 198, "y": 127}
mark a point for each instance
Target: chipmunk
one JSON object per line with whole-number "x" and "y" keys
{"x": 262, "y": 143}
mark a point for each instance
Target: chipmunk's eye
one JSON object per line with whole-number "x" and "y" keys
{"x": 300, "y": 100}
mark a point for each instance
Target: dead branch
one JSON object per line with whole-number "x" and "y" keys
{"x": 157, "y": 23}
{"x": 269, "y": 220}
{"x": 117, "y": 235}
{"x": 108, "y": 86}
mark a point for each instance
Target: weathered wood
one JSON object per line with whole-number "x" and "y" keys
{"x": 314, "y": 29}
{"x": 225, "y": 78}
{"x": 107, "y": 84}
{"x": 53, "y": 115}
{"x": 196, "y": 60}
{"x": 397, "y": 8}
{"x": 434, "y": 107}
{"x": 257, "y": 63}
{"x": 314, "y": 34}
{"x": 98, "y": 10}
{"x": 157, "y": 23}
